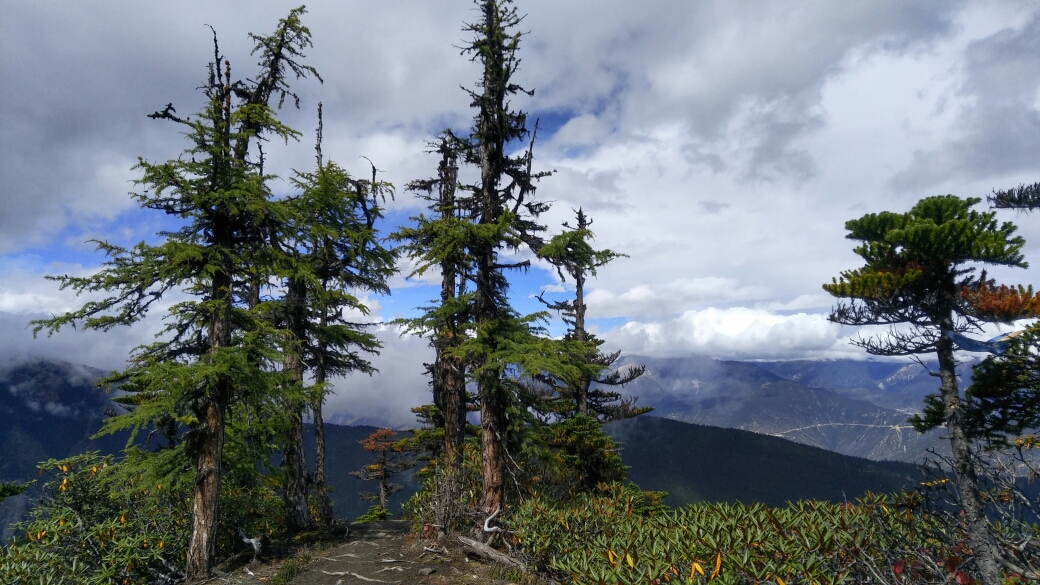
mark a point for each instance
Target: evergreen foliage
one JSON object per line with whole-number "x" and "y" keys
{"x": 209, "y": 356}
{"x": 476, "y": 333}
{"x": 503, "y": 214}
{"x": 440, "y": 242}
{"x": 11, "y": 489}
{"x": 572, "y": 256}
{"x": 916, "y": 266}
{"x": 389, "y": 462}
{"x": 330, "y": 250}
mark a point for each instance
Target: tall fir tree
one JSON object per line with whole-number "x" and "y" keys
{"x": 504, "y": 210}
{"x": 476, "y": 329}
{"x": 573, "y": 257}
{"x": 332, "y": 251}
{"x": 439, "y": 242}
{"x": 916, "y": 266}
{"x": 208, "y": 358}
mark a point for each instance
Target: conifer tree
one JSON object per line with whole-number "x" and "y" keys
{"x": 388, "y": 464}
{"x": 916, "y": 266}
{"x": 208, "y": 358}
{"x": 439, "y": 241}
{"x": 330, "y": 250}
{"x": 1003, "y": 401}
{"x": 504, "y": 211}
{"x": 572, "y": 256}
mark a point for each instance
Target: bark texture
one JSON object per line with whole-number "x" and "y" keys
{"x": 205, "y": 512}
{"x": 979, "y": 537}
{"x": 297, "y": 513}
{"x": 321, "y": 487}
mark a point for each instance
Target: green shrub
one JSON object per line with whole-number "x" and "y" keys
{"x": 623, "y": 536}
{"x": 374, "y": 514}
{"x": 104, "y": 521}
{"x": 98, "y": 525}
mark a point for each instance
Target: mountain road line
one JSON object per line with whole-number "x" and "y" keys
{"x": 890, "y": 427}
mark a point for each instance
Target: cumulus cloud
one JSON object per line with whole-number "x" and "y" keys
{"x": 720, "y": 145}
{"x": 735, "y": 333}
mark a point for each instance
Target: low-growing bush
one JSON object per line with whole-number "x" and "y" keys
{"x": 622, "y": 535}
{"x": 101, "y": 521}
{"x": 96, "y": 525}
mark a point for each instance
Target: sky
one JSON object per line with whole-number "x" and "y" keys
{"x": 720, "y": 145}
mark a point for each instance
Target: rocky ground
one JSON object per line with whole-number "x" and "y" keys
{"x": 379, "y": 552}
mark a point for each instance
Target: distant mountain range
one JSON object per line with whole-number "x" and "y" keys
{"x": 48, "y": 410}
{"x": 51, "y": 409}
{"x": 696, "y": 463}
{"x": 856, "y": 408}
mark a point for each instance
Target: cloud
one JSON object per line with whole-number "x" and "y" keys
{"x": 997, "y": 113}
{"x": 385, "y": 398}
{"x": 669, "y": 297}
{"x": 735, "y": 333}
{"x": 720, "y": 145}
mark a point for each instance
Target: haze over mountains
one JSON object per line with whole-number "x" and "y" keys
{"x": 856, "y": 408}
{"x": 834, "y": 408}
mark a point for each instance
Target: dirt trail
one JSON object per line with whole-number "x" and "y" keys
{"x": 384, "y": 552}
{"x": 374, "y": 554}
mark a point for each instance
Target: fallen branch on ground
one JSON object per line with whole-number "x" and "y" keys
{"x": 362, "y": 577}
{"x": 484, "y": 551}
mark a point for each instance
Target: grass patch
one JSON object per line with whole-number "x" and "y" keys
{"x": 290, "y": 568}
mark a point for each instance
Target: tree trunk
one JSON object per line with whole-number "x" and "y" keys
{"x": 382, "y": 479}
{"x": 208, "y": 444}
{"x": 454, "y": 396}
{"x": 450, "y": 379}
{"x": 202, "y": 548}
{"x": 579, "y": 329}
{"x": 492, "y": 444}
{"x": 964, "y": 471}
{"x": 488, "y": 279}
{"x": 324, "y": 501}
{"x": 297, "y": 513}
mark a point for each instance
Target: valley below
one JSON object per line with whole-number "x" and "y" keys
{"x": 720, "y": 430}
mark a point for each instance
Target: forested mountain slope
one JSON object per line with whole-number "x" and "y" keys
{"x": 696, "y": 463}
{"x": 748, "y": 396}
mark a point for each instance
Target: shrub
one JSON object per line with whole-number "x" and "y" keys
{"x": 106, "y": 521}
{"x": 98, "y": 525}
{"x": 622, "y": 535}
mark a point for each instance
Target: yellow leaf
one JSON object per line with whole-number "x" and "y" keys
{"x": 122, "y": 518}
{"x": 718, "y": 565}
{"x": 780, "y": 581}
{"x": 628, "y": 559}
{"x": 698, "y": 567}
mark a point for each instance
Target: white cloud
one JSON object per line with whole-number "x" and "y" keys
{"x": 735, "y": 333}
{"x": 385, "y": 398}
{"x": 668, "y": 297}
{"x": 721, "y": 145}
